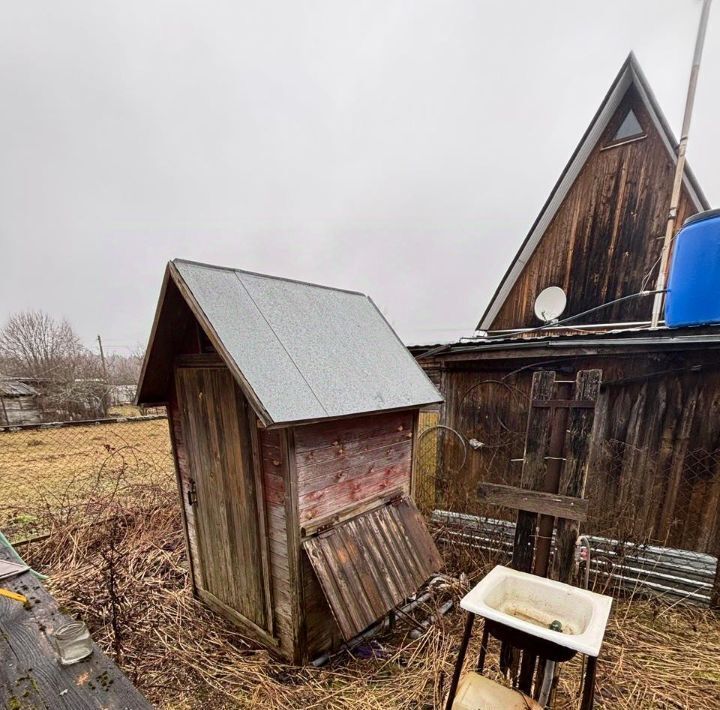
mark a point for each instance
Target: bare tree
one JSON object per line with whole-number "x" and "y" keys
{"x": 125, "y": 369}
{"x": 34, "y": 344}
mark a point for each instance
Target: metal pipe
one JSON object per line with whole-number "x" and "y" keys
{"x": 423, "y": 625}
{"x": 680, "y": 165}
{"x": 384, "y": 623}
{"x": 547, "y": 683}
{"x": 584, "y": 539}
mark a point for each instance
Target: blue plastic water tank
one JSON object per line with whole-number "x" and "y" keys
{"x": 694, "y": 283}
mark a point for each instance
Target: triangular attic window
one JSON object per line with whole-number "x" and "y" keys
{"x": 629, "y": 128}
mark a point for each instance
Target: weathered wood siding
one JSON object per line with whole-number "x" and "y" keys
{"x": 231, "y": 533}
{"x": 655, "y": 457}
{"x": 344, "y": 463}
{"x": 321, "y": 632}
{"x": 184, "y": 476}
{"x": 343, "y": 466}
{"x": 606, "y": 236}
{"x": 19, "y": 410}
{"x": 275, "y": 475}
{"x": 369, "y": 564}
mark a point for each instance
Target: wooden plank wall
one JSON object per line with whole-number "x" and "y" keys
{"x": 321, "y": 632}
{"x": 184, "y": 475}
{"x": 604, "y": 239}
{"x": 275, "y": 474}
{"x": 347, "y": 462}
{"x": 19, "y": 410}
{"x": 655, "y": 459}
{"x": 343, "y": 466}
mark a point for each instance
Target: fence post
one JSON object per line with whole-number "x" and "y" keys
{"x": 574, "y": 474}
{"x": 534, "y": 465}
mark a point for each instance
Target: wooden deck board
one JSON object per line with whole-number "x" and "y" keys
{"x": 30, "y": 674}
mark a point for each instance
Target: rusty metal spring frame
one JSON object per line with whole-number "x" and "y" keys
{"x": 515, "y": 392}
{"x": 460, "y": 437}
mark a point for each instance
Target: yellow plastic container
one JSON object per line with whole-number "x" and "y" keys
{"x": 476, "y": 692}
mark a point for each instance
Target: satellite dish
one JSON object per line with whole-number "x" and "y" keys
{"x": 550, "y": 303}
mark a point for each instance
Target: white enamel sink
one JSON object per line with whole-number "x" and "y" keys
{"x": 531, "y": 604}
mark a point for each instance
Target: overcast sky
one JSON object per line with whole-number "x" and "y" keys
{"x": 401, "y": 148}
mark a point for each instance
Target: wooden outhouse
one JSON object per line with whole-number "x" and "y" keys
{"x": 293, "y": 410}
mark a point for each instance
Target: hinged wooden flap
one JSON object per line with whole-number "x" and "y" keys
{"x": 370, "y": 564}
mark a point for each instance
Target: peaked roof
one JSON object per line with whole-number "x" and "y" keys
{"x": 630, "y": 74}
{"x": 16, "y": 387}
{"x": 299, "y": 351}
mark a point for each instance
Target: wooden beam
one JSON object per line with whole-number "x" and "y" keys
{"x": 315, "y": 526}
{"x": 199, "y": 360}
{"x": 574, "y": 474}
{"x": 294, "y": 546}
{"x": 262, "y": 518}
{"x": 534, "y": 466}
{"x": 558, "y": 506}
{"x": 233, "y": 615}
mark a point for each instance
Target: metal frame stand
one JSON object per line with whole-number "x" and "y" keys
{"x": 462, "y": 651}
{"x": 588, "y": 683}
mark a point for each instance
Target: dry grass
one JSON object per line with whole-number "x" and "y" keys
{"x": 50, "y": 473}
{"x": 183, "y": 656}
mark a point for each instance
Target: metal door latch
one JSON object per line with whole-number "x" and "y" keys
{"x": 192, "y": 493}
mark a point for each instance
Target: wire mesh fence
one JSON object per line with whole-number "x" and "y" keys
{"x": 67, "y": 474}
{"x": 635, "y": 493}
{"x": 654, "y": 519}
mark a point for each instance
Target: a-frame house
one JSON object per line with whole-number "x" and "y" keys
{"x": 599, "y": 235}
{"x": 655, "y": 475}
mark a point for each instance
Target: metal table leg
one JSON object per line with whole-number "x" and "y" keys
{"x": 483, "y": 649}
{"x": 462, "y": 651}
{"x": 588, "y": 697}
{"x": 527, "y": 670}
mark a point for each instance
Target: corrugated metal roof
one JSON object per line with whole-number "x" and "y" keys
{"x": 370, "y": 564}
{"x": 306, "y": 351}
{"x": 16, "y": 388}
{"x": 663, "y": 337}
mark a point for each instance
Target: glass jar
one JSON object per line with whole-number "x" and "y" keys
{"x": 72, "y": 642}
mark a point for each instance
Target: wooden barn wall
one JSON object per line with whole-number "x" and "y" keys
{"x": 605, "y": 238}
{"x": 275, "y": 476}
{"x": 347, "y": 462}
{"x": 655, "y": 460}
{"x": 20, "y": 410}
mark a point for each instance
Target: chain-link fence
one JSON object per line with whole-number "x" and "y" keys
{"x": 664, "y": 498}
{"x": 67, "y": 474}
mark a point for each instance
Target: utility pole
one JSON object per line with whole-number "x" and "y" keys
{"x": 102, "y": 358}
{"x": 679, "y": 167}
{"x": 105, "y": 397}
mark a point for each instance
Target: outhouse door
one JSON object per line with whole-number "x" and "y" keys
{"x": 230, "y": 529}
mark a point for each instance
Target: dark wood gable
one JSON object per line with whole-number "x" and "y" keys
{"x": 605, "y": 239}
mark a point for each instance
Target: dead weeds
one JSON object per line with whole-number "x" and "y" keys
{"x": 183, "y": 656}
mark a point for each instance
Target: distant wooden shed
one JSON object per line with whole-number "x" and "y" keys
{"x": 293, "y": 411}
{"x": 19, "y": 402}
